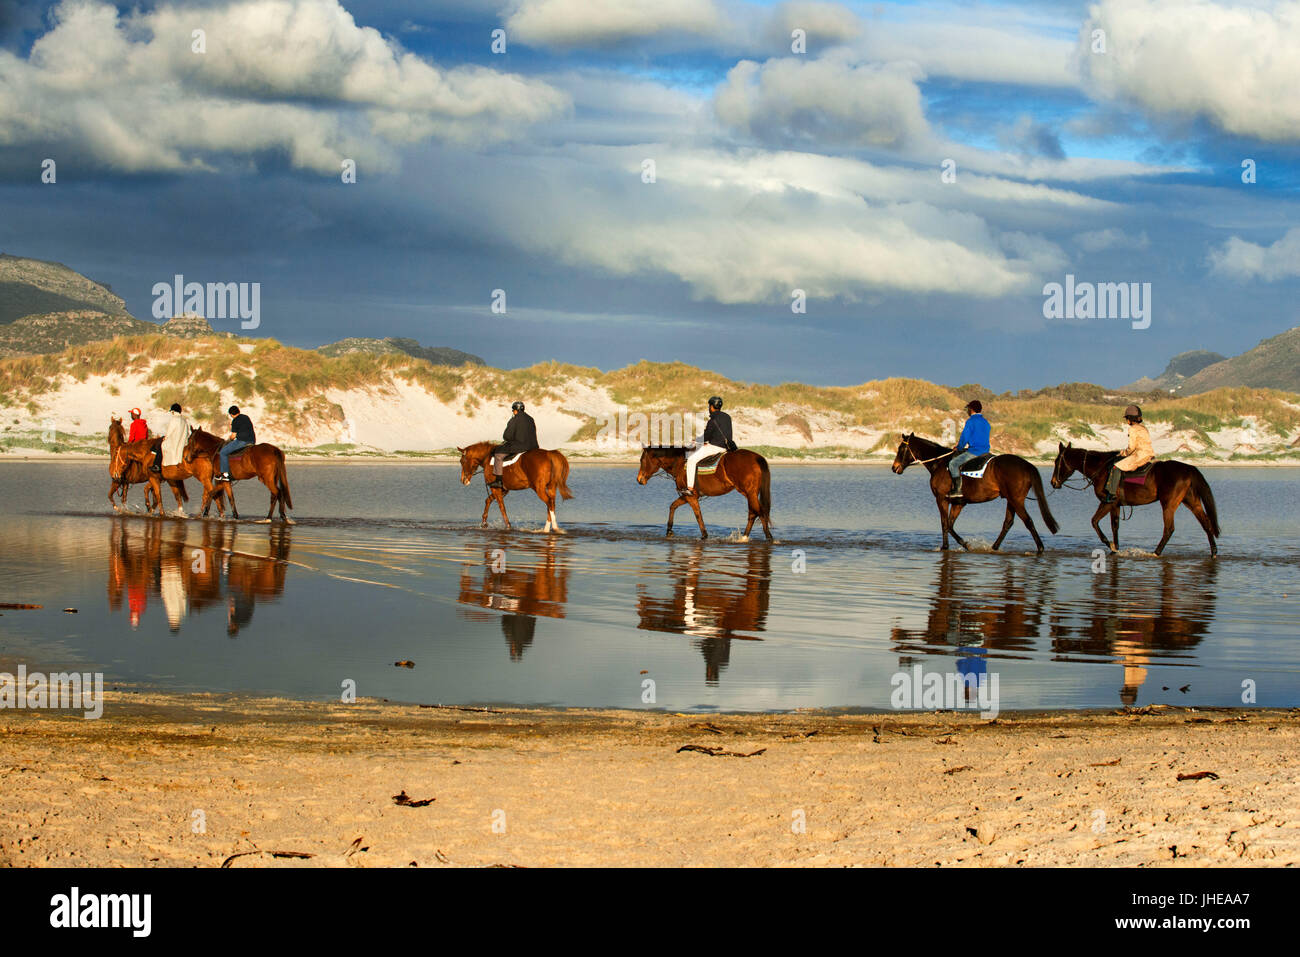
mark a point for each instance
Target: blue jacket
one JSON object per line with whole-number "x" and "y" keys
{"x": 975, "y": 435}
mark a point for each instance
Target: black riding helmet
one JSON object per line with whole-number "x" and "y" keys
{"x": 715, "y": 403}
{"x": 517, "y": 407}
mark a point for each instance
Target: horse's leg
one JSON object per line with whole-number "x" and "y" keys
{"x": 943, "y": 521}
{"x": 1114, "y": 524}
{"x": 1029, "y": 523}
{"x": 1096, "y": 525}
{"x": 501, "y": 501}
{"x": 487, "y": 505}
{"x": 1194, "y": 504}
{"x": 1006, "y": 525}
{"x": 953, "y": 511}
{"x": 672, "y": 508}
{"x": 694, "y": 502}
{"x": 1170, "y": 507}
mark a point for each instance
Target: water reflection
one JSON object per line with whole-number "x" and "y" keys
{"x": 522, "y": 591}
{"x": 223, "y": 565}
{"x": 710, "y": 601}
{"x": 1130, "y": 615}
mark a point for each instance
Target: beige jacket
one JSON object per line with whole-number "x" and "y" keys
{"x": 1139, "y": 451}
{"x": 174, "y": 439}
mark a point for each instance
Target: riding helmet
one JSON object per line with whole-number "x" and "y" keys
{"x": 1133, "y": 412}
{"x": 517, "y": 407}
{"x": 715, "y": 403}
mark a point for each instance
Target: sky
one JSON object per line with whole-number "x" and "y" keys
{"x": 666, "y": 179}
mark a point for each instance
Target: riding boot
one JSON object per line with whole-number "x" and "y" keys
{"x": 1112, "y": 485}
{"x": 956, "y": 487}
{"x": 496, "y": 483}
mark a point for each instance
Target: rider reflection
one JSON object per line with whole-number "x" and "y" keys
{"x": 524, "y": 592}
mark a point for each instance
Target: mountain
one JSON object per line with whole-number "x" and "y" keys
{"x": 1273, "y": 364}
{"x": 1181, "y": 367}
{"x": 438, "y": 355}
{"x": 31, "y": 287}
{"x": 56, "y": 331}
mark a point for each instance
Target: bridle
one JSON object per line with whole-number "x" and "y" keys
{"x": 1083, "y": 470}
{"x": 907, "y": 444}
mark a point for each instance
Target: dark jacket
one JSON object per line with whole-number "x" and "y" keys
{"x": 520, "y": 435}
{"x": 242, "y": 426}
{"x": 718, "y": 430}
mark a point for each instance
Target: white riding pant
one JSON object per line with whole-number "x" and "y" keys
{"x": 693, "y": 461}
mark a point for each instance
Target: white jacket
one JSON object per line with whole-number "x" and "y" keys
{"x": 174, "y": 439}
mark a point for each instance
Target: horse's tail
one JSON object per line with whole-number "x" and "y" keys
{"x": 562, "y": 475}
{"x": 1202, "y": 490}
{"x": 764, "y": 488}
{"x": 1042, "y": 501}
{"x": 282, "y": 480}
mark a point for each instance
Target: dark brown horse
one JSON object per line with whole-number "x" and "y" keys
{"x": 1173, "y": 483}
{"x": 545, "y": 471}
{"x": 741, "y": 471}
{"x": 262, "y": 461}
{"x": 1007, "y": 476}
{"x": 123, "y": 475}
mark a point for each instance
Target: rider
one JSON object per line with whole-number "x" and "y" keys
{"x": 241, "y": 436}
{"x": 1138, "y": 453}
{"x": 520, "y": 435}
{"x": 972, "y": 443}
{"x": 716, "y": 438}
{"x": 139, "y": 432}
{"x": 172, "y": 449}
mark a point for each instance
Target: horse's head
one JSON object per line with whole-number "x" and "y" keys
{"x": 904, "y": 456}
{"x": 1062, "y": 469}
{"x": 124, "y": 454}
{"x": 652, "y": 460}
{"x": 191, "y": 447}
{"x": 472, "y": 458}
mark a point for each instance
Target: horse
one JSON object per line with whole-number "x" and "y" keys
{"x": 1006, "y": 476}
{"x": 545, "y": 471}
{"x": 122, "y": 477}
{"x": 262, "y": 461}
{"x": 740, "y": 471}
{"x": 1173, "y": 483}
{"x": 132, "y": 454}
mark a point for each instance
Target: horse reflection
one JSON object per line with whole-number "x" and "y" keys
{"x": 966, "y": 612}
{"x": 713, "y": 606}
{"x": 1166, "y": 618}
{"x": 522, "y": 592}
{"x": 188, "y": 574}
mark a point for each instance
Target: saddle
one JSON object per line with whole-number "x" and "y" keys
{"x": 513, "y": 459}
{"x": 709, "y": 464}
{"x": 976, "y": 466}
{"x": 1139, "y": 476}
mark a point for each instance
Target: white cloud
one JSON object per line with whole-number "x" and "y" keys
{"x": 824, "y": 24}
{"x": 295, "y": 76}
{"x": 1239, "y": 259}
{"x": 570, "y": 23}
{"x": 1237, "y": 66}
{"x": 827, "y": 101}
{"x": 1098, "y": 239}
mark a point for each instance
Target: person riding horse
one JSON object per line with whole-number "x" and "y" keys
{"x": 241, "y": 436}
{"x": 139, "y": 433}
{"x": 178, "y": 433}
{"x": 520, "y": 436}
{"x": 972, "y": 443}
{"x": 1138, "y": 453}
{"x": 716, "y": 439}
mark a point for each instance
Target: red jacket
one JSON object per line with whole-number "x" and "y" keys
{"x": 139, "y": 430}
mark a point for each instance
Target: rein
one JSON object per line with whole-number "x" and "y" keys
{"x": 907, "y": 444}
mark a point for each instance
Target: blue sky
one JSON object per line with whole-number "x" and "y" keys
{"x": 775, "y": 171}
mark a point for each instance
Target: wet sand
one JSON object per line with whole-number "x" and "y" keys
{"x": 570, "y": 787}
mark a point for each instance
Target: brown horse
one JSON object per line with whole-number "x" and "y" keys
{"x": 741, "y": 471}
{"x": 1173, "y": 483}
{"x": 261, "y": 461}
{"x": 545, "y": 471}
{"x": 140, "y": 454}
{"x": 123, "y": 475}
{"x": 1007, "y": 476}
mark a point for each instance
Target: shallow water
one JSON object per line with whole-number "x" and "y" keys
{"x": 387, "y": 563}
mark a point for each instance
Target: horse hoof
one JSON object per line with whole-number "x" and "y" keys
{"x": 744, "y": 538}
{"x": 263, "y": 521}
{"x": 668, "y": 534}
{"x": 288, "y": 521}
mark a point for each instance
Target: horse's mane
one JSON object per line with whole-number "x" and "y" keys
{"x": 665, "y": 449}
{"x": 930, "y": 446}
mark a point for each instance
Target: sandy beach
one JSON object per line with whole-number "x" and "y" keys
{"x": 198, "y": 780}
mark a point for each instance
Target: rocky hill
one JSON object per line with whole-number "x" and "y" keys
{"x": 1180, "y": 368}
{"x": 438, "y": 355}
{"x": 31, "y": 287}
{"x": 55, "y": 331}
{"x": 1273, "y": 364}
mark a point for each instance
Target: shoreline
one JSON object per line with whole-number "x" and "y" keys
{"x": 567, "y": 787}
